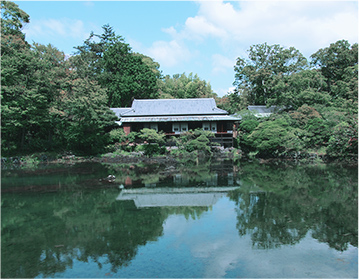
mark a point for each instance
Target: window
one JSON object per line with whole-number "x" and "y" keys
{"x": 176, "y": 127}
{"x": 153, "y": 126}
{"x": 206, "y": 126}
{"x": 180, "y": 127}
{"x": 184, "y": 127}
{"x": 214, "y": 127}
{"x": 210, "y": 126}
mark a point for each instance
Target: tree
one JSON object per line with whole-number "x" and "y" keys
{"x": 334, "y": 61}
{"x": 181, "y": 87}
{"x": 82, "y": 117}
{"x": 257, "y": 76}
{"x": 26, "y": 84}
{"x": 306, "y": 87}
{"x": 12, "y": 19}
{"x": 116, "y": 68}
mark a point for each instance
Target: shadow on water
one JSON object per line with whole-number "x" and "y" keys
{"x": 54, "y": 216}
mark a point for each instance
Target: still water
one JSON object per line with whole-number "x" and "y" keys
{"x": 221, "y": 220}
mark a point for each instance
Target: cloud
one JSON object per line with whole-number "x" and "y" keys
{"x": 66, "y": 28}
{"x": 222, "y": 31}
{"x": 307, "y": 25}
{"x": 169, "y": 54}
{"x": 221, "y": 64}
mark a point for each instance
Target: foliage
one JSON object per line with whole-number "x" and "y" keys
{"x": 248, "y": 124}
{"x": 152, "y": 136}
{"x": 265, "y": 66}
{"x": 82, "y": 117}
{"x": 317, "y": 102}
{"x": 274, "y": 137}
{"x": 117, "y": 136}
{"x": 12, "y": 19}
{"x": 153, "y": 142}
{"x": 335, "y": 61}
{"x": 45, "y": 103}
{"x": 343, "y": 141}
{"x": 181, "y": 87}
{"x": 197, "y": 141}
{"x": 306, "y": 87}
{"x": 107, "y": 59}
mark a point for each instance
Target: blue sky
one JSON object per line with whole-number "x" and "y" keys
{"x": 202, "y": 37}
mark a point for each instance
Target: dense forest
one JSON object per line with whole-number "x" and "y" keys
{"x": 50, "y": 102}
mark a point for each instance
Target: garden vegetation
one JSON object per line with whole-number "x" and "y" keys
{"x": 50, "y": 102}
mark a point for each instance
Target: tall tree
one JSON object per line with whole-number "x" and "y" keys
{"x": 81, "y": 117}
{"x": 182, "y": 86}
{"x": 12, "y": 19}
{"x": 107, "y": 59}
{"x": 34, "y": 79}
{"x": 334, "y": 61}
{"x": 339, "y": 65}
{"x": 305, "y": 87}
{"x": 265, "y": 66}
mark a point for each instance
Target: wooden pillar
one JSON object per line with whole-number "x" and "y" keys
{"x": 127, "y": 128}
{"x": 235, "y": 132}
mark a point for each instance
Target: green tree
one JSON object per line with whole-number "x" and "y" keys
{"x": 82, "y": 118}
{"x": 257, "y": 76}
{"x": 306, "y": 87}
{"x": 335, "y": 62}
{"x": 182, "y": 86}
{"x": 343, "y": 141}
{"x": 107, "y": 59}
{"x": 274, "y": 137}
{"x": 12, "y": 19}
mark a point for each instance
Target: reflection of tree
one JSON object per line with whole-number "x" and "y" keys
{"x": 270, "y": 221}
{"x": 288, "y": 202}
{"x": 186, "y": 211}
{"x": 41, "y": 234}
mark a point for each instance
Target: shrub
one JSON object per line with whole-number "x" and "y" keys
{"x": 344, "y": 140}
{"x": 152, "y": 136}
{"x": 274, "y": 137}
{"x": 195, "y": 141}
{"x": 117, "y": 136}
{"x": 153, "y": 141}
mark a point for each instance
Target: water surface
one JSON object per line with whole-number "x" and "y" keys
{"x": 215, "y": 221}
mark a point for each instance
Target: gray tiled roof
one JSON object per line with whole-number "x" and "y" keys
{"x": 120, "y": 111}
{"x": 158, "y": 107}
{"x": 263, "y": 111}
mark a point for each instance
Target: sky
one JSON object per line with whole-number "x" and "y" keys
{"x": 199, "y": 37}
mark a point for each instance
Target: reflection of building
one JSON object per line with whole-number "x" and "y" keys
{"x": 175, "y": 116}
{"x": 158, "y": 197}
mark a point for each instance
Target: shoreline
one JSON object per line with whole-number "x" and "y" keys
{"x": 164, "y": 161}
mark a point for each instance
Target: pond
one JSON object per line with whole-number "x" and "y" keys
{"x": 221, "y": 220}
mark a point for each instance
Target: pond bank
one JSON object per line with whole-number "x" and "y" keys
{"x": 166, "y": 161}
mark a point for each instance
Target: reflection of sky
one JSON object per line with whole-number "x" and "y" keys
{"x": 211, "y": 247}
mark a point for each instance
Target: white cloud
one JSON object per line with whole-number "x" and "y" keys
{"x": 169, "y": 54}
{"x": 229, "y": 29}
{"x": 221, "y": 64}
{"x": 66, "y": 28}
{"x": 306, "y": 25}
{"x": 199, "y": 27}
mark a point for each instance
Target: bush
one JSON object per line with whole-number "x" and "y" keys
{"x": 154, "y": 142}
{"x": 195, "y": 141}
{"x": 152, "y": 136}
{"x": 117, "y": 136}
{"x": 275, "y": 137}
{"x": 151, "y": 149}
{"x": 344, "y": 140}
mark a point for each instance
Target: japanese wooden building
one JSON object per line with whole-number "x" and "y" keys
{"x": 175, "y": 116}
